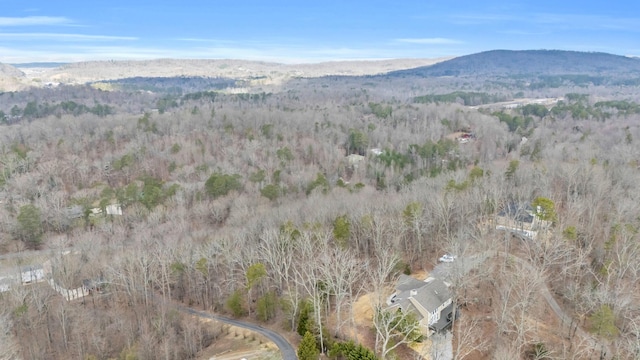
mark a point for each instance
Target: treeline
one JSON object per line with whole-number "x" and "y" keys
{"x": 461, "y": 97}
{"x": 575, "y": 106}
{"x": 33, "y": 110}
{"x": 556, "y": 81}
{"x": 579, "y": 107}
{"x": 178, "y": 85}
{"x": 170, "y": 101}
{"x": 72, "y": 100}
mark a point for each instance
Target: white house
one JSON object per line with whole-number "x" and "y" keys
{"x": 114, "y": 209}
{"x": 6, "y": 282}
{"x": 31, "y": 274}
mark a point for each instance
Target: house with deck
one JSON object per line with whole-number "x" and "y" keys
{"x": 521, "y": 220}
{"x": 429, "y": 300}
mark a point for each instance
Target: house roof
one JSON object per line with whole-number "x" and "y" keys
{"x": 430, "y": 294}
{"x": 433, "y": 294}
{"x": 93, "y": 283}
{"x": 31, "y": 268}
{"x": 354, "y": 159}
{"x": 518, "y": 212}
{"x": 406, "y": 282}
{"x": 74, "y": 211}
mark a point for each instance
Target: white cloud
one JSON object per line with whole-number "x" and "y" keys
{"x": 429, "y": 41}
{"x": 34, "y": 21}
{"x": 62, "y": 37}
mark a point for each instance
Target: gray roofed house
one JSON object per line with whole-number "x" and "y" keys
{"x": 91, "y": 285}
{"x": 520, "y": 219}
{"x": 522, "y": 213}
{"x": 406, "y": 283}
{"x": 430, "y": 300}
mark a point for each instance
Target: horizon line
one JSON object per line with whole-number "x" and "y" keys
{"x": 291, "y": 60}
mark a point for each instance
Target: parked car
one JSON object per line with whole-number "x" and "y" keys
{"x": 447, "y": 258}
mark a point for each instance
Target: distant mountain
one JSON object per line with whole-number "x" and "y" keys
{"x": 8, "y": 70}
{"x": 39, "y": 65}
{"x": 257, "y": 72}
{"x": 11, "y": 79}
{"x": 530, "y": 62}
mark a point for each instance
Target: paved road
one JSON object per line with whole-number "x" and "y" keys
{"x": 287, "y": 351}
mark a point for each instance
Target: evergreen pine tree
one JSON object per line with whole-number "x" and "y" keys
{"x": 308, "y": 349}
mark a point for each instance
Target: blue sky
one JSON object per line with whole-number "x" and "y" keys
{"x": 308, "y": 31}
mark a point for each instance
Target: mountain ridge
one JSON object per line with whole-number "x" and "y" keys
{"x": 531, "y": 62}
{"x": 493, "y": 63}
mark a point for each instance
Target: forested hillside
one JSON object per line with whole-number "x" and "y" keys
{"x": 531, "y": 62}
{"x": 286, "y": 207}
{"x": 11, "y": 79}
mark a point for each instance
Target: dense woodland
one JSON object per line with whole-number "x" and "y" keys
{"x": 246, "y": 204}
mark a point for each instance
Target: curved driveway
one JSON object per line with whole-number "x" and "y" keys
{"x": 287, "y": 351}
